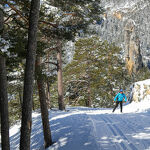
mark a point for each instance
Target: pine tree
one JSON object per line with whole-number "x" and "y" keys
{"x": 3, "y": 95}
{"x": 60, "y": 80}
{"x": 44, "y": 110}
{"x": 96, "y": 67}
{"x": 4, "y": 106}
{"x": 74, "y": 17}
{"x": 26, "y": 122}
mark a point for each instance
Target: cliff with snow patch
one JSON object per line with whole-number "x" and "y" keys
{"x": 127, "y": 23}
{"x": 140, "y": 91}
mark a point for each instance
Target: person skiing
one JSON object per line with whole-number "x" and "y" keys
{"x": 119, "y": 100}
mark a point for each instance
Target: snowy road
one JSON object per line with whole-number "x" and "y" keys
{"x": 110, "y": 131}
{"x": 92, "y": 129}
{"x": 122, "y": 131}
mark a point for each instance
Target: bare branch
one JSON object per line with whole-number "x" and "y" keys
{"x": 77, "y": 81}
{"x": 52, "y": 63}
{"x": 55, "y": 69}
{"x": 17, "y": 11}
{"x": 8, "y": 18}
{"x": 49, "y": 23}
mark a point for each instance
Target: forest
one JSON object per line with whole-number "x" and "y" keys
{"x": 50, "y": 59}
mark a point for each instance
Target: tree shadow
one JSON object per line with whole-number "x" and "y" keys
{"x": 123, "y": 131}
{"x": 70, "y": 133}
{"x": 76, "y": 130}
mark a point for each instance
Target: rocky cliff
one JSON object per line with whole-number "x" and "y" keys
{"x": 140, "y": 91}
{"x": 127, "y": 23}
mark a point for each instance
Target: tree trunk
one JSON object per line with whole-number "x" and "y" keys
{"x": 26, "y": 121}
{"x": 60, "y": 80}
{"x": 33, "y": 106}
{"x": 48, "y": 95}
{"x": 20, "y": 98}
{"x": 3, "y": 97}
{"x": 4, "y": 106}
{"x": 43, "y": 105}
{"x": 47, "y": 84}
{"x": 1, "y": 21}
{"x": 89, "y": 101}
{"x": 20, "y": 101}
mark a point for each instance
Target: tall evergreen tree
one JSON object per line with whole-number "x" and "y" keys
{"x": 60, "y": 80}
{"x": 75, "y": 16}
{"x": 4, "y": 105}
{"x": 43, "y": 104}
{"x": 94, "y": 73}
{"x": 18, "y": 21}
{"x": 26, "y": 122}
{"x": 3, "y": 95}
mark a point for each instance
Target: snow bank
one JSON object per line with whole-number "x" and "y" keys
{"x": 138, "y": 107}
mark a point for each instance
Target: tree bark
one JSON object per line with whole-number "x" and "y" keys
{"x": 89, "y": 101}
{"x": 60, "y": 80}
{"x": 3, "y": 97}
{"x": 33, "y": 106}
{"x": 4, "y": 106}
{"x": 20, "y": 97}
{"x": 47, "y": 84}
{"x": 20, "y": 101}
{"x": 26, "y": 121}
{"x": 1, "y": 21}
{"x": 43, "y": 105}
{"x": 48, "y": 95}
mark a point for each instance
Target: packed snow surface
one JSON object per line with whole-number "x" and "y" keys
{"x": 81, "y": 128}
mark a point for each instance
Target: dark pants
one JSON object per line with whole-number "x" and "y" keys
{"x": 117, "y": 106}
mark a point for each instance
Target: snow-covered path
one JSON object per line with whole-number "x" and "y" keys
{"x": 104, "y": 130}
{"x": 110, "y": 131}
{"x": 92, "y": 129}
{"x": 122, "y": 131}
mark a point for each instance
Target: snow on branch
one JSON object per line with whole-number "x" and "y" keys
{"x": 4, "y": 45}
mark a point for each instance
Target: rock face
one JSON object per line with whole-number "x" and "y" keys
{"x": 127, "y": 23}
{"x": 132, "y": 48}
{"x": 140, "y": 91}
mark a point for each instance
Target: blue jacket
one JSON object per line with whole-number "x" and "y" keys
{"x": 119, "y": 97}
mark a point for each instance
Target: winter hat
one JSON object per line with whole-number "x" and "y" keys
{"x": 121, "y": 90}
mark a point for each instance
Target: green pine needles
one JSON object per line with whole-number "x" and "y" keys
{"x": 96, "y": 71}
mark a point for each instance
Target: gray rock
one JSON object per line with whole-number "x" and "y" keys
{"x": 140, "y": 91}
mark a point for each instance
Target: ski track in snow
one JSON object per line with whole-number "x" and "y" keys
{"x": 84, "y": 128}
{"x": 118, "y": 131}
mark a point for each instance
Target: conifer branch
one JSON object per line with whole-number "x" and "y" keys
{"x": 17, "y": 11}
